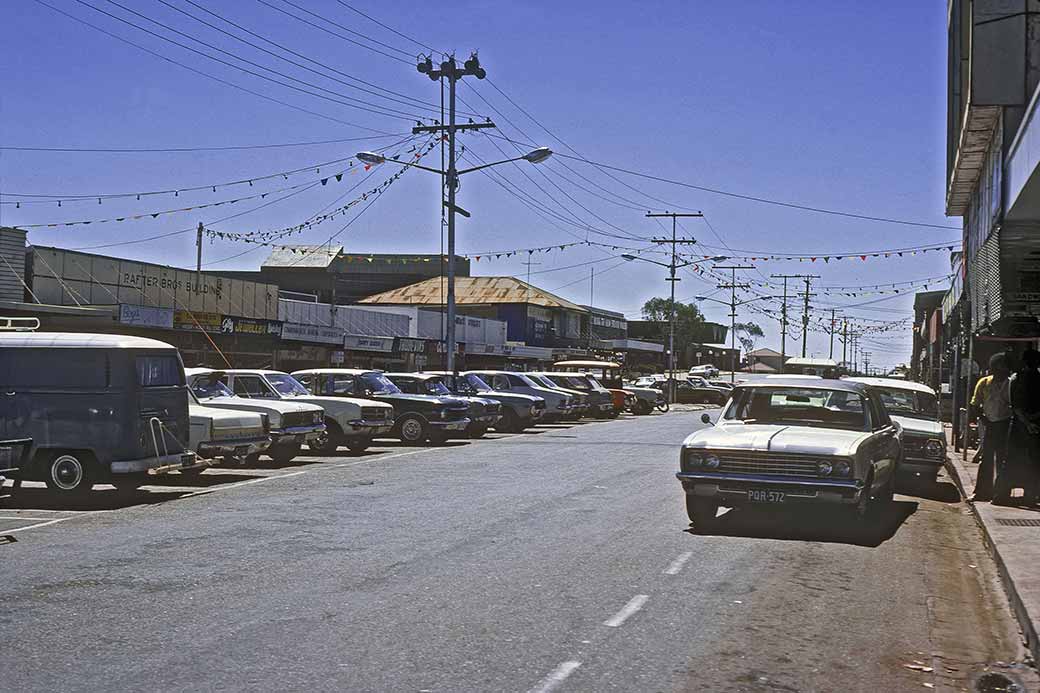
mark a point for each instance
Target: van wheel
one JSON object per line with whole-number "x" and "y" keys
{"x": 412, "y": 430}
{"x": 69, "y": 473}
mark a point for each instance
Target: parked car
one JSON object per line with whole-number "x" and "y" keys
{"x": 687, "y": 392}
{"x": 784, "y": 442}
{"x": 706, "y": 370}
{"x": 227, "y": 434}
{"x": 579, "y": 405}
{"x": 292, "y": 424}
{"x": 483, "y": 413}
{"x": 646, "y": 398}
{"x": 99, "y": 408}
{"x": 417, "y": 418}
{"x": 557, "y": 404}
{"x": 915, "y": 408}
{"x": 601, "y": 400}
{"x": 723, "y": 384}
{"x": 607, "y": 374}
{"x": 518, "y": 411}
{"x": 349, "y": 422}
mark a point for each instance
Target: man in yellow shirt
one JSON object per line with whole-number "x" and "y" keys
{"x": 992, "y": 396}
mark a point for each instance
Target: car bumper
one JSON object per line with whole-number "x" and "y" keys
{"x": 236, "y": 447}
{"x": 921, "y": 465}
{"x": 732, "y": 490}
{"x": 364, "y": 427}
{"x": 457, "y": 425}
{"x": 159, "y": 465}
{"x": 296, "y": 434}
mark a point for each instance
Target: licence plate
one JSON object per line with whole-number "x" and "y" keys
{"x": 760, "y": 495}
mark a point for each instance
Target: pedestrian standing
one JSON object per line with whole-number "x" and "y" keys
{"x": 992, "y": 404}
{"x": 1023, "y": 452}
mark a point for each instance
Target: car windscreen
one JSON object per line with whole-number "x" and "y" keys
{"x": 900, "y": 402}
{"x": 475, "y": 382}
{"x": 434, "y": 387}
{"x": 818, "y": 407}
{"x": 378, "y": 384}
{"x": 287, "y": 386}
{"x": 208, "y": 388}
{"x": 571, "y": 382}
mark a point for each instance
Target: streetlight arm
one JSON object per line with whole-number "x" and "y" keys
{"x": 494, "y": 163}
{"x": 419, "y": 166}
{"x": 653, "y": 262}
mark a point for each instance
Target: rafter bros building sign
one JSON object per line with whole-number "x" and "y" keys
{"x": 69, "y": 278}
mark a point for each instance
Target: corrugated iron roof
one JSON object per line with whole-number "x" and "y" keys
{"x": 473, "y": 291}
{"x": 302, "y": 256}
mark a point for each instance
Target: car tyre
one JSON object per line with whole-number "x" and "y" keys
{"x": 412, "y": 430}
{"x": 69, "y": 473}
{"x": 509, "y": 423}
{"x": 328, "y": 442}
{"x": 701, "y": 512}
{"x": 477, "y": 431}
{"x": 358, "y": 445}
{"x": 252, "y": 460}
{"x": 283, "y": 454}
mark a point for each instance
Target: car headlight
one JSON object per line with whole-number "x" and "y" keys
{"x": 934, "y": 448}
{"x": 692, "y": 459}
{"x": 824, "y": 468}
{"x": 711, "y": 462}
{"x": 842, "y": 469}
{"x": 275, "y": 420}
{"x": 318, "y": 417}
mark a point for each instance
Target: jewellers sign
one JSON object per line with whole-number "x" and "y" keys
{"x": 320, "y": 334}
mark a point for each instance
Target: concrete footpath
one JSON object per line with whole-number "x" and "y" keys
{"x": 1013, "y": 538}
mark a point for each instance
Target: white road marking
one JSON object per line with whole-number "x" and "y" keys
{"x": 675, "y": 566}
{"x": 634, "y": 605}
{"x": 38, "y": 524}
{"x": 558, "y": 676}
{"x": 240, "y": 483}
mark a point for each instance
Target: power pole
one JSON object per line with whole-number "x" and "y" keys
{"x": 198, "y": 257}
{"x": 805, "y": 310}
{"x": 783, "y": 316}
{"x": 844, "y": 342}
{"x": 866, "y": 362}
{"x": 673, "y": 241}
{"x": 450, "y": 70}
{"x": 733, "y": 286}
{"x": 592, "y": 284}
{"x": 832, "y": 335}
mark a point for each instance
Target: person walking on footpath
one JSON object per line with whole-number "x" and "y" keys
{"x": 992, "y": 400}
{"x": 1023, "y": 452}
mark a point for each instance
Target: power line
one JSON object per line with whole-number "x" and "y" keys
{"x": 207, "y": 75}
{"x": 349, "y": 30}
{"x": 389, "y": 28}
{"x": 172, "y": 150}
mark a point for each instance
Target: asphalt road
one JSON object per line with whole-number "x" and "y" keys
{"x": 554, "y": 560}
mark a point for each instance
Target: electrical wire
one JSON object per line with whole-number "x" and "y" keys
{"x": 171, "y": 150}
{"x": 389, "y": 28}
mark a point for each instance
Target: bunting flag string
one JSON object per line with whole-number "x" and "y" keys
{"x": 265, "y": 238}
{"x": 859, "y": 256}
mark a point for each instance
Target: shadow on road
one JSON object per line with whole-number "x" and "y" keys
{"x": 100, "y": 499}
{"x": 207, "y": 480}
{"x": 828, "y": 525}
{"x": 938, "y": 490}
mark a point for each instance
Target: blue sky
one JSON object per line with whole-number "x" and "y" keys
{"x": 836, "y": 105}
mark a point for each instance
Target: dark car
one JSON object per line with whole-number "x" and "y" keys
{"x": 518, "y": 411}
{"x": 483, "y": 413}
{"x": 689, "y": 393}
{"x": 418, "y": 418}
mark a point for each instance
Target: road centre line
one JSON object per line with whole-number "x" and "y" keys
{"x": 556, "y": 677}
{"x": 675, "y": 566}
{"x": 634, "y": 605}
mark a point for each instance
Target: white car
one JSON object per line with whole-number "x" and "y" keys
{"x": 225, "y": 433}
{"x": 705, "y": 371}
{"x": 915, "y": 407}
{"x": 292, "y": 423}
{"x": 349, "y": 421}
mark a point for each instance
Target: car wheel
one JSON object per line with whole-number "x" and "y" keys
{"x": 129, "y": 482}
{"x": 283, "y": 454}
{"x": 663, "y": 406}
{"x": 864, "y": 504}
{"x": 642, "y": 408}
{"x": 701, "y": 512}
{"x": 412, "y": 430}
{"x": 252, "y": 459}
{"x": 328, "y": 442}
{"x": 477, "y": 431}
{"x": 69, "y": 473}
{"x": 509, "y": 423}
{"x": 358, "y": 444}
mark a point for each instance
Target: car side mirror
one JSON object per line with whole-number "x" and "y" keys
{"x": 705, "y": 419}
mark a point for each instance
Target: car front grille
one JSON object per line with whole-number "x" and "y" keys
{"x": 778, "y": 464}
{"x": 374, "y": 413}
{"x": 236, "y": 432}
{"x": 457, "y": 413}
{"x": 301, "y": 418}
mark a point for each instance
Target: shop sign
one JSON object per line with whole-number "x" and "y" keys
{"x": 438, "y": 347}
{"x": 322, "y": 334}
{"x": 407, "y": 345}
{"x": 186, "y": 320}
{"x": 234, "y": 325}
{"x": 359, "y": 343}
{"x": 145, "y": 316}
{"x": 303, "y": 353}
{"x": 337, "y": 358}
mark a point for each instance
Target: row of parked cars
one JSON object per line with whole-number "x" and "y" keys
{"x": 80, "y": 409}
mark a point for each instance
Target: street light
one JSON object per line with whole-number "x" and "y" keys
{"x": 535, "y": 156}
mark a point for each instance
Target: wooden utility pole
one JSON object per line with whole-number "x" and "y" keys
{"x": 733, "y": 286}
{"x": 783, "y": 314}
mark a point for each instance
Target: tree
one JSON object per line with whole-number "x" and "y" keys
{"x": 747, "y": 334}
{"x": 688, "y": 319}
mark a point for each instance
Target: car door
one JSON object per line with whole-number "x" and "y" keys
{"x": 885, "y": 443}
{"x": 252, "y": 387}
